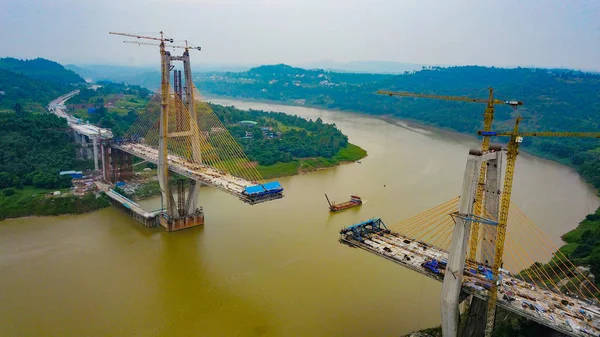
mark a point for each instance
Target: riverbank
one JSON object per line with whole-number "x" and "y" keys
{"x": 31, "y": 201}
{"x": 350, "y": 153}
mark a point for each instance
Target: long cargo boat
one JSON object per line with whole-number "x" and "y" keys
{"x": 354, "y": 201}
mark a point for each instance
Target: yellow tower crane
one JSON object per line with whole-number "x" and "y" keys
{"x": 516, "y": 138}
{"x": 186, "y": 47}
{"x": 488, "y": 118}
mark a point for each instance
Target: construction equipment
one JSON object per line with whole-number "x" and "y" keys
{"x": 139, "y": 43}
{"x": 161, "y": 38}
{"x": 488, "y": 117}
{"x": 516, "y": 138}
{"x": 490, "y": 100}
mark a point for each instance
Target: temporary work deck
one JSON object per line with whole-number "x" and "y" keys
{"x": 204, "y": 174}
{"x": 149, "y": 219}
{"x": 577, "y": 318}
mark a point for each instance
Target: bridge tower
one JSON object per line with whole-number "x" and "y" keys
{"x": 492, "y": 192}
{"x": 183, "y": 214}
{"x": 457, "y": 254}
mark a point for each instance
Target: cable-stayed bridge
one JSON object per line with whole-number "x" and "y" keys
{"x": 182, "y": 135}
{"x": 434, "y": 243}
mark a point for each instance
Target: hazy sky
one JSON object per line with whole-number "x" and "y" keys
{"x": 543, "y": 33}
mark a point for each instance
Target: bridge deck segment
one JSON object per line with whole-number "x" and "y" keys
{"x": 576, "y": 318}
{"x": 202, "y": 173}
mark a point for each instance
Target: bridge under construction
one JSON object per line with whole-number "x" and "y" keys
{"x": 182, "y": 135}
{"x": 436, "y": 242}
{"x": 571, "y": 316}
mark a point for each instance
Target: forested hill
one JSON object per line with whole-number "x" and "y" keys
{"x": 41, "y": 69}
{"x": 32, "y": 94}
{"x": 33, "y": 83}
{"x": 555, "y": 100}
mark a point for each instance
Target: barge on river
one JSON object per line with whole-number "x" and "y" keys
{"x": 354, "y": 201}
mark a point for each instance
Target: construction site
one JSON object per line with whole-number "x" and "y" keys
{"x": 460, "y": 243}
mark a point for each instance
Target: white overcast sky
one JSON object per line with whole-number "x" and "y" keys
{"x": 543, "y": 33}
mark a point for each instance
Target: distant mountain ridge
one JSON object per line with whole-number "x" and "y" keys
{"x": 372, "y": 67}
{"x": 41, "y": 69}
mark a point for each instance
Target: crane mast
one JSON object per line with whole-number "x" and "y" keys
{"x": 488, "y": 118}
{"x": 511, "y": 157}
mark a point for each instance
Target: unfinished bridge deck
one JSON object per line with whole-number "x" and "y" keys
{"x": 239, "y": 187}
{"x": 576, "y": 318}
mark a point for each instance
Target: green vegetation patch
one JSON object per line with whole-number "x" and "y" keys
{"x": 350, "y": 153}
{"x": 279, "y": 169}
{"x": 148, "y": 189}
{"x": 35, "y": 201}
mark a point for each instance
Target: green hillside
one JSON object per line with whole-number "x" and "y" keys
{"x": 555, "y": 100}
{"x": 32, "y": 94}
{"x": 33, "y": 83}
{"x": 41, "y": 69}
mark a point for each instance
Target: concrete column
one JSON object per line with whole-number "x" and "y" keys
{"x": 163, "y": 165}
{"x": 453, "y": 276}
{"x": 103, "y": 153}
{"x": 95, "y": 152}
{"x": 192, "y": 201}
{"x": 493, "y": 185}
{"x": 191, "y": 106}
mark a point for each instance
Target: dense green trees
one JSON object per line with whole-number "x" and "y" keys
{"x": 33, "y": 149}
{"x": 28, "y": 93}
{"x": 292, "y": 136}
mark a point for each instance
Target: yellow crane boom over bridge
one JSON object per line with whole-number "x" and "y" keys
{"x": 516, "y": 138}
{"x": 488, "y": 118}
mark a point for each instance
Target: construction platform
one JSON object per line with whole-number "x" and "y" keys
{"x": 571, "y": 316}
{"x": 249, "y": 192}
{"x": 148, "y": 219}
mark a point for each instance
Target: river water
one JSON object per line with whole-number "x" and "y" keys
{"x": 273, "y": 269}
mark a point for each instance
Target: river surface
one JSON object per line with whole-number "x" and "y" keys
{"x": 273, "y": 269}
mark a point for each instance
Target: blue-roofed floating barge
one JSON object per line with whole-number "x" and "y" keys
{"x": 262, "y": 192}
